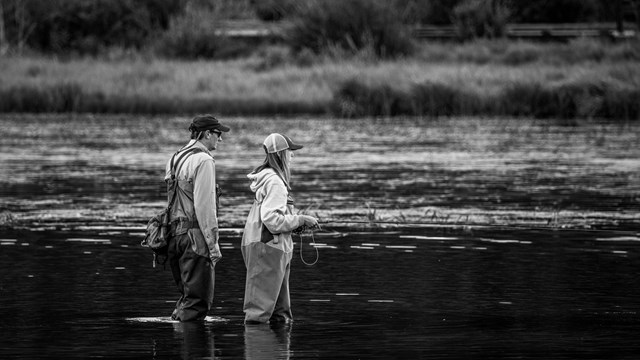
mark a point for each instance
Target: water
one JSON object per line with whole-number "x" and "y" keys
{"x": 400, "y": 294}
{"x": 561, "y": 284}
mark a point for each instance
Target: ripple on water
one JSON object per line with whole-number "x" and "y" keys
{"x": 620, "y": 238}
{"x": 89, "y": 240}
{"x": 167, "y": 319}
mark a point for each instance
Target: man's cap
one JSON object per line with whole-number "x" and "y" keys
{"x": 277, "y": 142}
{"x": 207, "y": 122}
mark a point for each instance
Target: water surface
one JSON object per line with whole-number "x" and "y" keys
{"x": 469, "y": 238}
{"x": 400, "y": 294}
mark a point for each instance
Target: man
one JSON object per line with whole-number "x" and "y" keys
{"x": 193, "y": 248}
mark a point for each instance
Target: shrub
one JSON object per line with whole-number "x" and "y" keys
{"x": 85, "y": 26}
{"x": 274, "y": 10}
{"x": 269, "y": 57}
{"x": 527, "y": 99}
{"x": 580, "y": 99}
{"x": 355, "y": 99}
{"x": 621, "y": 104}
{"x": 555, "y": 11}
{"x": 351, "y": 25}
{"x": 63, "y": 97}
{"x": 521, "y": 53}
{"x": 436, "y": 99}
{"x": 433, "y": 99}
{"x": 194, "y": 35}
{"x": 480, "y": 18}
{"x": 626, "y": 51}
{"x": 564, "y": 101}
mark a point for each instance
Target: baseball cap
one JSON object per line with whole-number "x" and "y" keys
{"x": 277, "y": 142}
{"x": 207, "y": 122}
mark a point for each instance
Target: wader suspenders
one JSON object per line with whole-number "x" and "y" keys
{"x": 174, "y": 183}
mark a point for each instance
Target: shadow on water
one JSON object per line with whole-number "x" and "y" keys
{"x": 74, "y": 282}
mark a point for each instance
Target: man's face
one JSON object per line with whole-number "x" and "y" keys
{"x": 214, "y": 137}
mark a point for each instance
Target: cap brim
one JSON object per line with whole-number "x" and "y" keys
{"x": 295, "y": 147}
{"x": 222, "y": 128}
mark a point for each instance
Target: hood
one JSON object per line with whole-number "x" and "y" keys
{"x": 258, "y": 180}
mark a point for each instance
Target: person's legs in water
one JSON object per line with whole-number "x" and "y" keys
{"x": 265, "y": 274}
{"x": 282, "y": 310}
{"x": 195, "y": 277}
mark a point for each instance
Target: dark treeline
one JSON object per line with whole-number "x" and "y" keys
{"x": 186, "y": 28}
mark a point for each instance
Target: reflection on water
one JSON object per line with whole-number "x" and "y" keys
{"x": 411, "y": 293}
{"x": 196, "y": 340}
{"x": 264, "y": 342}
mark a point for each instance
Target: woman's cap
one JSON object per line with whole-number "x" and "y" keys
{"x": 277, "y": 142}
{"x": 207, "y": 122}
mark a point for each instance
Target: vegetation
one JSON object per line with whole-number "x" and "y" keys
{"x": 95, "y": 26}
{"x": 353, "y": 25}
{"x": 347, "y": 58}
{"x": 584, "y": 79}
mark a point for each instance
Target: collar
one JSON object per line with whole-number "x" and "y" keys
{"x": 200, "y": 146}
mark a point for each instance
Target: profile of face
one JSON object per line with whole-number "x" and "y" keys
{"x": 288, "y": 156}
{"x": 212, "y": 138}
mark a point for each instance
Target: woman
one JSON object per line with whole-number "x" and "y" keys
{"x": 267, "y": 246}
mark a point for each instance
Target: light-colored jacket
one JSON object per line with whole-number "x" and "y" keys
{"x": 196, "y": 197}
{"x": 272, "y": 207}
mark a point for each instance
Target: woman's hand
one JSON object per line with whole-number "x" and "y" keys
{"x": 309, "y": 221}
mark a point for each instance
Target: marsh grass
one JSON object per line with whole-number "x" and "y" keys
{"x": 580, "y": 79}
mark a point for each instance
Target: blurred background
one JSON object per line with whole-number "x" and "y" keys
{"x": 550, "y": 59}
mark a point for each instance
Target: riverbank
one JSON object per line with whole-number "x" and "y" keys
{"x": 582, "y": 79}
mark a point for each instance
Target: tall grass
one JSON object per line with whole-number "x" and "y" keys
{"x": 570, "y": 100}
{"x": 492, "y": 78}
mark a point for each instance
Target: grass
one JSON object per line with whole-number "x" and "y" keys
{"x": 443, "y": 79}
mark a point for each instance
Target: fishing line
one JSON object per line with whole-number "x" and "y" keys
{"x": 313, "y": 241}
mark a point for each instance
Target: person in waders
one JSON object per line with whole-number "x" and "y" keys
{"x": 193, "y": 249}
{"x": 267, "y": 246}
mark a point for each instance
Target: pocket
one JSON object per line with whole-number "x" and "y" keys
{"x": 197, "y": 242}
{"x": 265, "y": 234}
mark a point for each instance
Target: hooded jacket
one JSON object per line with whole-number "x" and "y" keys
{"x": 272, "y": 207}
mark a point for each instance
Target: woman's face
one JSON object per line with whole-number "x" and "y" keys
{"x": 288, "y": 156}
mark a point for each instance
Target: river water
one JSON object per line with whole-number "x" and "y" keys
{"x": 484, "y": 240}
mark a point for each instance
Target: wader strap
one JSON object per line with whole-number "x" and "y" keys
{"x": 174, "y": 184}
{"x": 175, "y": 171}
{"x": 185, "y": 152}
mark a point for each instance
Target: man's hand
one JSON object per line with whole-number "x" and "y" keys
{"x": 214, "y": 254}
